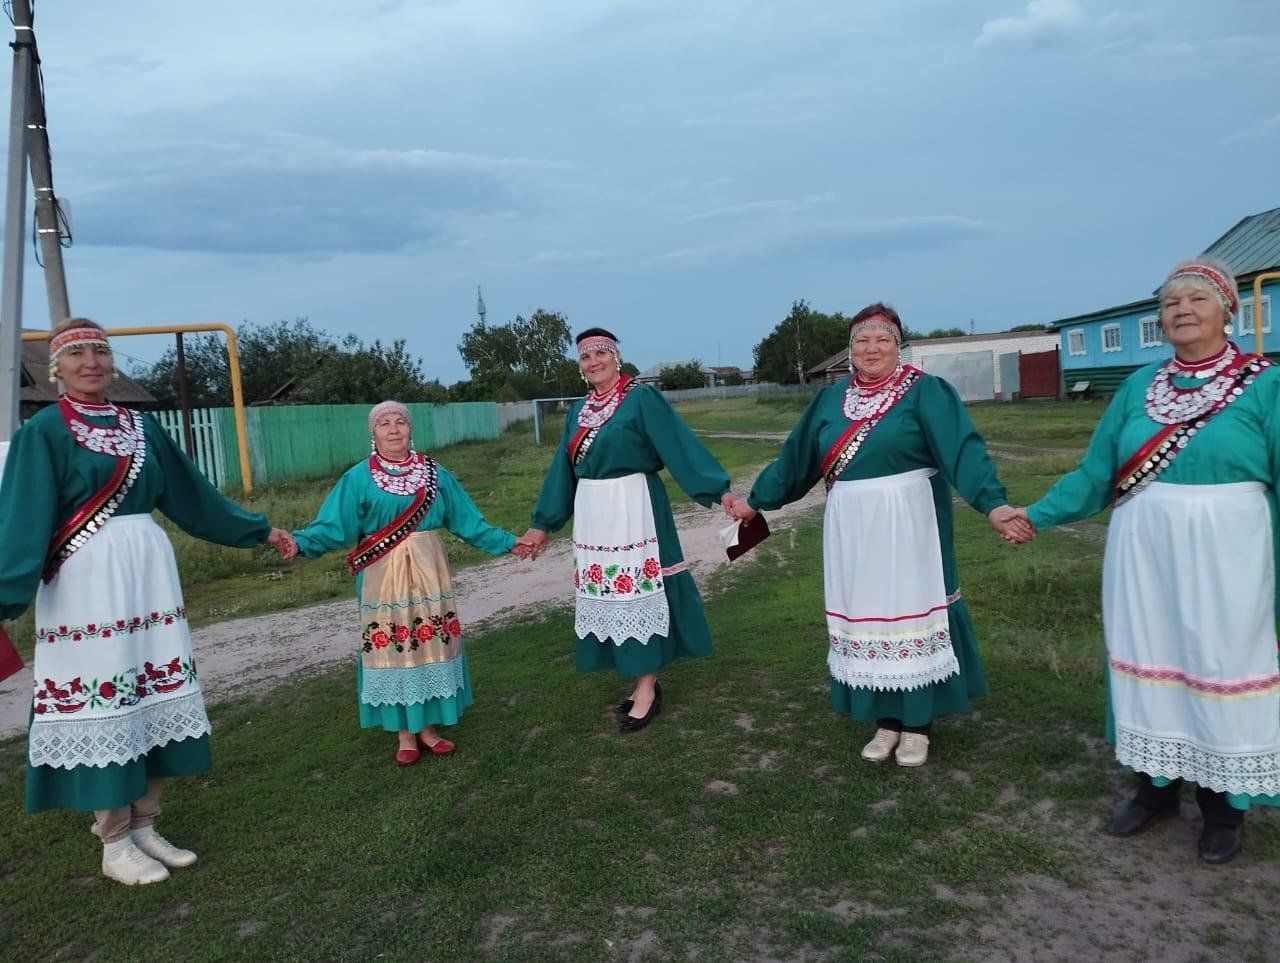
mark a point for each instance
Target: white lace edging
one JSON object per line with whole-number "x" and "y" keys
{"x": 1245, "y": 774}
{"x": 422, "y": 683}
{"x": 884, "y": 676}
{"x": 103, "y": 741}
{"x": 640, "y": 619}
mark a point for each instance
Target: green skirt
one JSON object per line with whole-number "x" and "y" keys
{"x": 918, "y": 707}
{"x": 86, "y": 788}
{"x": 689, "y": 637}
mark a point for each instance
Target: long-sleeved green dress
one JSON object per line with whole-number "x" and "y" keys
{"x": 926, "y": 439}
{"x": 1189, "y": 590}
{"x": 116, "y": 697}
{"x": 411, "y": 670}
{"x": 616, "y": 488}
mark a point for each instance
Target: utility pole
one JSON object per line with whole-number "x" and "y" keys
{"x": 48, "y": 216}
{"x": 15, "y": 217}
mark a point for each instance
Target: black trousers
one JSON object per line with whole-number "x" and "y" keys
{"x": 1214, "y": 807}
{"x": 895, "y": 725}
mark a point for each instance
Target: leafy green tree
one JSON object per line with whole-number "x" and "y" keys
{"x": 528, "y": 355}
{"x": 945, "y": 333}
{"x": 734, "y": 378}
{"x": 1029, "y": 327}
{"x": 627, "y": 369}
{"x": 687, "y": 375}
{"x": 801, "y": 340}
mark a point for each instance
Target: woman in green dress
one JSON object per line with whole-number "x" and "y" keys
{"x": 891, "y": 442}
{"x": 411, "y": 671}
{"x": 637, "y": 607}
{"x": 117, "y": 706}
{"x": 1188, "y": 452}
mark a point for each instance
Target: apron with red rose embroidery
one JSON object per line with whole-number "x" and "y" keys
{"x": 411, "y": 639}
{"x": 618, "y": 580}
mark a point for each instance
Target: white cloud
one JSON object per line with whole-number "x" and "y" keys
{"x": 1043, "y": 21}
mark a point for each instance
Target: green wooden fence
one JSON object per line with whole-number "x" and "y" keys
{"x": 290, "y": 443}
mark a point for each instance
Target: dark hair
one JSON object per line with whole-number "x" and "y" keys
{"x": 594, "y": 333}
{"x": 871, "y": 310}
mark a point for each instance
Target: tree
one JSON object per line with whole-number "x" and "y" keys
{"x": 528, "y": 355}
{"x": 629, "y": 369}
{"x": 734, "y": 378}
{"x": 801, "y": 340}
{"x": 677, "y": 376}
{"x": 1028, "y": 327}
{"x": 945, "y": 333}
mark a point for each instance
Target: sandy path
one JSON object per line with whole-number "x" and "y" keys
{"x": 253, "y": 655}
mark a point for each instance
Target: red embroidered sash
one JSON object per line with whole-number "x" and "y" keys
{"x": 582, "y": 439}
{"x": 1158, "y": 452}
{"x": 94, "y": 513}
{"x": 850, "y": 441}
{"x": 381, "y": 543}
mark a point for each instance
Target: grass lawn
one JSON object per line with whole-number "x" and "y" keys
{"x": 740, "y": 825}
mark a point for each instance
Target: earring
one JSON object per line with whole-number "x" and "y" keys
{"x": 1228, "y": 329}
{"x": 373, "y": 446}
{"x": 115, "y": 374}
{"x": 53, "y": 378}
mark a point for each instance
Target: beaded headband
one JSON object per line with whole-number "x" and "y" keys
{"x": 597, "y": 342}
{"x": 1223, "y": 286}
{"x": 74, "y": 337}
{"x": 387, "y": 408}
{"x": 877, "y": 321}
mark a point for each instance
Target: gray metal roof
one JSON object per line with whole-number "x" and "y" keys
{"x": 1251, "y": 246}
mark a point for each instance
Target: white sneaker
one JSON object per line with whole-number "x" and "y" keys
{"x": 157, "y": 847}
{"x": 126, "y": 863}
{"x": 913, "y": 750}
{"x": 878, "y": 749}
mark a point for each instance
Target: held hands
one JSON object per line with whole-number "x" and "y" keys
{"x": 531, "y": 544}
{"x": 1012, "y": 523}
{"x": 735, "y": 506}
{"x": 283, "y": 543}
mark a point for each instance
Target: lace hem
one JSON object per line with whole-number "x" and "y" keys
{"x": 639, "y": 619}
{"x": 882, "y": 675}
{"x": 402, "y": 687}
{"x": 1246, "y": 774}
{"x": 104, "y": 741}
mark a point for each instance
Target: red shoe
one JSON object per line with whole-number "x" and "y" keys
{"x": 441, "y": 747}
{"x": 407, "y": 757}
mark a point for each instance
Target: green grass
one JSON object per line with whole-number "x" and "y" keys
{"x": 549, "y": 836}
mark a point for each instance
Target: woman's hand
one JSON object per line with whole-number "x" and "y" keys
{"x": 735, "y": 506}
{"x": 1012, "y": 523}
{"x": 283, "y": 543}
{"x": 531, "y": 544}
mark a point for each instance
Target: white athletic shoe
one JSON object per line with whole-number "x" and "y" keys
{"x": 913, "y": 750}
{"x": 126, "y": 863}
{"x": 878, "y": 749}
{"x": 157, "y": 847}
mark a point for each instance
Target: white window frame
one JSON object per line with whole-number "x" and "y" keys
{"x": 1266, "y": 315}
{"x": 1119, "y": 345}
{"x": 1143, "y": 322}
{"x": 1075, "y": 342}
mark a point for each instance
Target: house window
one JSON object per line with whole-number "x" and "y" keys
{"x": 1075, "y": 341}
{"x": 1245, "y": 318}
{"x": 1111, "y": 337}
{"x": 1150, "y": 332}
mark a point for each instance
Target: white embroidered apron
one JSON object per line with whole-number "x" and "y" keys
{"x": 1188, "y": 593}
{"x": 114, "y": 672}
{"x": 885, "y": 596}
{"x": 618, "y": 578}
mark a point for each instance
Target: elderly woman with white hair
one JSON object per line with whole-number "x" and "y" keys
{"x": 1188, "y": 452}
{"x": 411, "y": 674}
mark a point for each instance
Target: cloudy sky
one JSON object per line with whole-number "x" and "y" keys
{"x": 680, "y": 172}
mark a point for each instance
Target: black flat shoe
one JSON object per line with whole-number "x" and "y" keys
{"x": 1220, "y": 844}
{"x": 631, "y": 723}
{"x": 1131, "y": 817}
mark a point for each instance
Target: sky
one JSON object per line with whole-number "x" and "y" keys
{"x": 677, "y": 172}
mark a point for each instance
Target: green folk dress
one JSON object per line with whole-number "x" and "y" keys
{"x": 637, "y": 607}
{"x": 901, "y": 644}
{"x": 411, "y": 669}
{"x": 116, "y": 698}
{"x": 1190, "y": 596}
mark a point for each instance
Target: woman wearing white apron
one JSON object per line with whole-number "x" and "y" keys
{"x": 637, "y": 607}
{"x": 1189, "y": 451}
{"x": 117, "y": 706}
{"x": 891, "y": 441}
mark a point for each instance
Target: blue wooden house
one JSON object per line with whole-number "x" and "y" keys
{"x": 1104, "y": 347}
